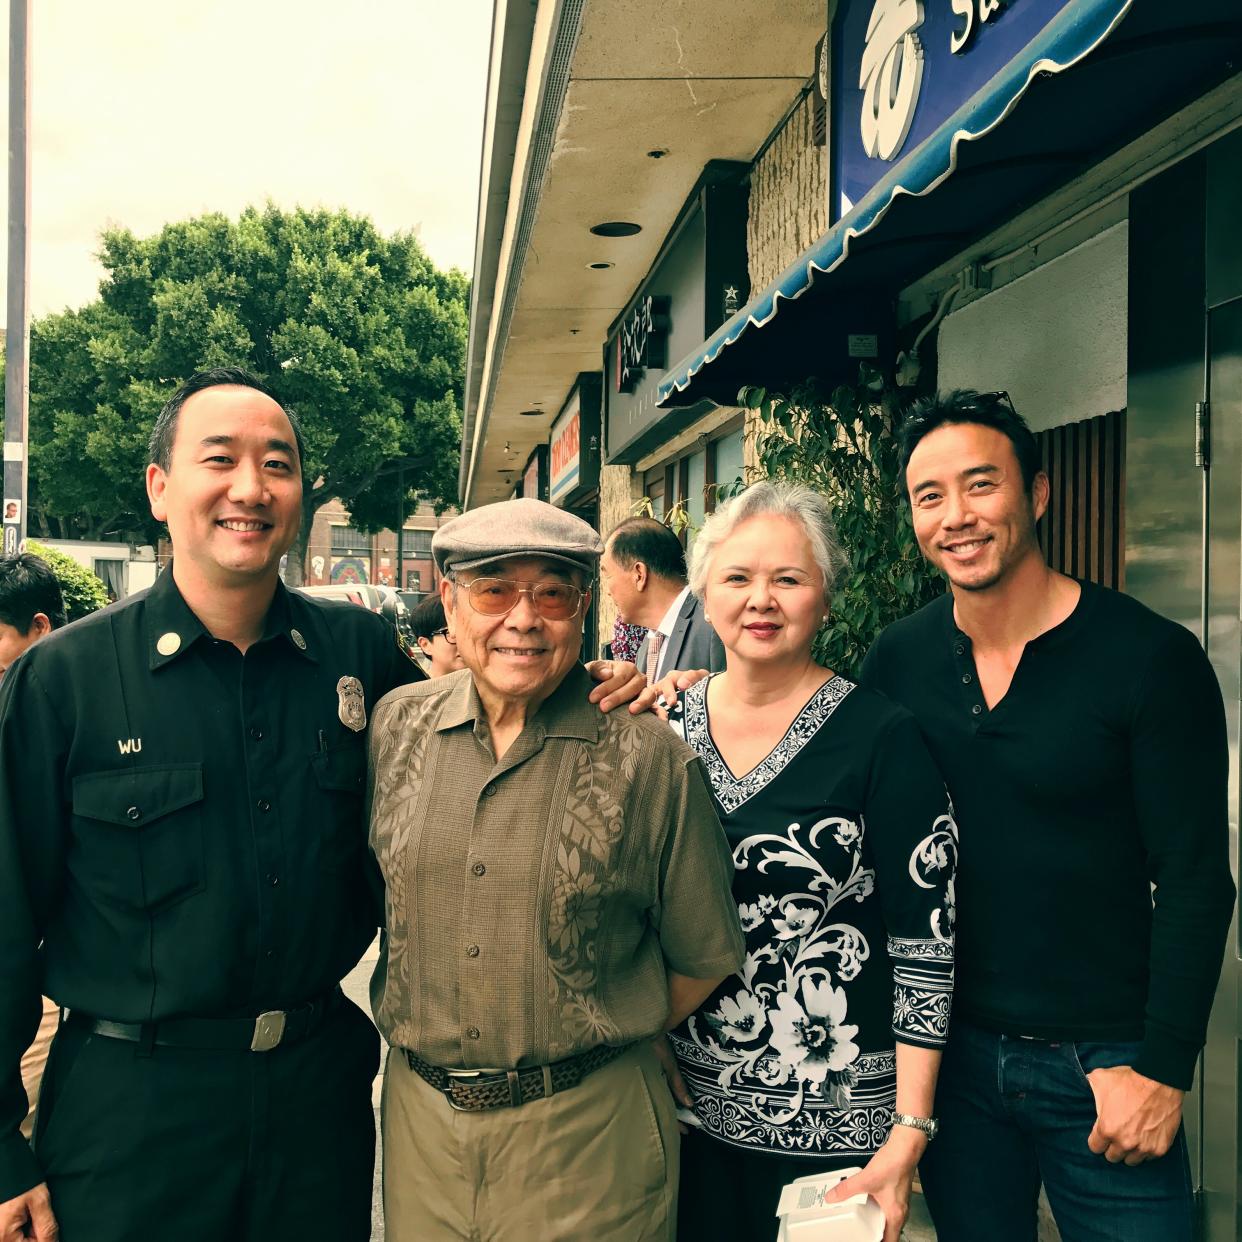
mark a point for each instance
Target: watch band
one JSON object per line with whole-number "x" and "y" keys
{"x": 927, "y": 1125}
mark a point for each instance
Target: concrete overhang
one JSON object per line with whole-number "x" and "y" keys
{"x": 580, "y": 93}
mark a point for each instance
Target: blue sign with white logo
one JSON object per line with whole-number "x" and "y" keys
{"x": 902, "y": 68}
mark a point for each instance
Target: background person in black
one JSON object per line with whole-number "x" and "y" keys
{"x": 1082, "y": 738}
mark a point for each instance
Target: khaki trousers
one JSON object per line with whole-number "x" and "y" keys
{"x": 597, "y": 1163}
{"x": 35, "y": 1058}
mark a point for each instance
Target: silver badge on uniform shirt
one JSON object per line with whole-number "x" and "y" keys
{"x": 351, "y": 704}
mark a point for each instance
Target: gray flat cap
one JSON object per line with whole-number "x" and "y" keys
{"x": 512, "y": 528}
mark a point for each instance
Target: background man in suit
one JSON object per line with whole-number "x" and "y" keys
{"x": 644, "y": 570}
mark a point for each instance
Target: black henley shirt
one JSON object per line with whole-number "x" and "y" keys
{"x": 1094, "y": 889}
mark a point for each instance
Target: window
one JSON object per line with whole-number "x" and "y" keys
{"x": 413, "y": 580}
{"x": 416, "y": 542}
{"x": 690, "y": 482}
{"x": 346, "y": 540}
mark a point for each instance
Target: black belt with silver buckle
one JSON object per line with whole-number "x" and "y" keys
{"x": 478, "y": 1090}
{"x": 273, "y": 1029}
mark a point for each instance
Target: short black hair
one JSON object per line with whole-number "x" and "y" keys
{"x": 159, "y": 449}
{"x": 644, "y": 539}
{"x": 426, "y": 617}
{"x": 28, "y": 586}
{"x": 965, "y": 405}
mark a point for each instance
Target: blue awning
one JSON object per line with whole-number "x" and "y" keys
{"x": 966, "y": 178}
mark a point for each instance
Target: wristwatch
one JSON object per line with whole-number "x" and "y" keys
{"x": 928, "y": 1125}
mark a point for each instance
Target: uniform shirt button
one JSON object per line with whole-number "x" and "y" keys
{"x": 264, "y": 805}
{"x": 256, "y": 735}
{"x": 472, "y": 1032}
{"x": 472, "y": 951}
{"x": 273, "y": 879}
{"x": 479, "y": 869}
{"x": 960, "y": 649}
{"x": 133, "y": 813}
{"x": 966, "y": 679}
{"x": 977, "y": 710}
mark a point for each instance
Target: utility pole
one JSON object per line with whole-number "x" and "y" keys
{"x": 17, "y": 335}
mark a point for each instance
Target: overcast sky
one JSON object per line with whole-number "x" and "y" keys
{"x": 148, "y": 111}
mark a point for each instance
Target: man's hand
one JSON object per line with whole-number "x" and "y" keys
{"x": 665, "y": 691}
{"x": 887, "y": 1179}
{"x": 28, "y": 1218}
{"x": 619, "y": 682}
{"x": 1136, "y": 1117}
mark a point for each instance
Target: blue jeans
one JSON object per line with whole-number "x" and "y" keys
{"x": 1017, "y": 1112}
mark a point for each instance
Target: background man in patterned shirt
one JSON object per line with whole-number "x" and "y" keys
{"x": 558, "y": 894}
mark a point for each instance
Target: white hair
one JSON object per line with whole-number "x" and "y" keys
{"x": 809, "y": 508}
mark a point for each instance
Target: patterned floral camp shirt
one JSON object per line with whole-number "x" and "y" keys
{"x": 845, "y": 848}
{"x": 535, "y": 904}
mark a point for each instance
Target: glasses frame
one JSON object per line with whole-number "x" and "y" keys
{"x": 529, "y": 590}
{"x": 443, "y": 632}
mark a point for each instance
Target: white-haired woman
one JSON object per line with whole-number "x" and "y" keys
{"x": 844, "y": 846}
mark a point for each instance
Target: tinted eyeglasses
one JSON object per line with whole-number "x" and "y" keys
{"x": 554, "y": 601}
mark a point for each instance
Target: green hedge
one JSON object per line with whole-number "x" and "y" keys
{"x": 83, "y": 590}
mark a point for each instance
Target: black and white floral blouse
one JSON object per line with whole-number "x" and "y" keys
{"x": 845, "y": 849}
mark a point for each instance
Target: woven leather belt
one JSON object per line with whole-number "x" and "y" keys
{"x": 269, "y": 1030}
{"x": 477, "y": 1091}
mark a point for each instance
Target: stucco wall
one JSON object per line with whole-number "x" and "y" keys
{"x": 1054, "y": 339}
{"x": 788, "y": 199}
{"x": 619, "y": 488}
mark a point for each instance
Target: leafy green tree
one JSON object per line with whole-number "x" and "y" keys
{"x": 83, "y": 590}
{"x": 359, "y": 332}
{"x": 841, "y": 444}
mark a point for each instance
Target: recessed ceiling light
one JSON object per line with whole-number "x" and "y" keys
{"x": 616, "y": 228}
{"x": 529, "y": 413}
{"x": 657, "y": 153}
{"x": 600, "y": 267}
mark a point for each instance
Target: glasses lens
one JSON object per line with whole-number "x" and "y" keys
{"x": 556, "y": 601}
{"x": 492, "y": 596}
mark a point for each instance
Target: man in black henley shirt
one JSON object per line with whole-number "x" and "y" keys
{"x": 1082, "y": 738}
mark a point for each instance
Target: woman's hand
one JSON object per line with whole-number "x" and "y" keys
{"x": 887, "y": 1178}
{"x": 666, "y": 690}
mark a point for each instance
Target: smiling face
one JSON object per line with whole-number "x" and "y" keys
{"x": 972, "y": 514}
{"x": 232, "y": 495}
{"x": 520, "y": 657}
{"x": 765, "y": 592}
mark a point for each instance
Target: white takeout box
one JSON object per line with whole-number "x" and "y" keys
{"x": 805, "y": 1217}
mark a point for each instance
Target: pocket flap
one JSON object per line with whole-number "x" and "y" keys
{"x": 343, "y": 767}
{"x": 137, "y": 796}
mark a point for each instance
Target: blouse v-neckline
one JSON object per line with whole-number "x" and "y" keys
{"x": 730, "y": 790}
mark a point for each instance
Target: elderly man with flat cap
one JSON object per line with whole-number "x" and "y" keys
{"x": 558, "y": 894}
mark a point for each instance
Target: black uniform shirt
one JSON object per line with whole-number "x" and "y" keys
{"x": 181, "y": 824}
{"x": 1101, "y": 774}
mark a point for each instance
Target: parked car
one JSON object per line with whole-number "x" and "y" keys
{"x": 385, "y": 600}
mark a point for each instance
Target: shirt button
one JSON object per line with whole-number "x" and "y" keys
{"x": 256, "y": 735}
{"x": 977, "y": 710}
{"x": 273, "y": 879}
{"x": 472, "y": 951}
{"x": 966, "y": 679}
{"x": 488, "y": 790}
{"x": 133, "y": 813}
{"x": 264, "y": 805}
{"x": 479, "y": 869}
{"x": 960, "y": 649}
{"x": 472, "y": 1032}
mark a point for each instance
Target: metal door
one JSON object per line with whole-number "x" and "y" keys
{"x": 1213, "y": 1117}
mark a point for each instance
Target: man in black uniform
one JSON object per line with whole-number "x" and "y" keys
{"x": 182, "y": 868}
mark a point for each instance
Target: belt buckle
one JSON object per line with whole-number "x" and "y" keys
{"x": 269, "y": 1030}
{"x": 453, "y": 1075}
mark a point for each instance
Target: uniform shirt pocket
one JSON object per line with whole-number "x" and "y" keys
{"x": 138, "y": 834}
{"x": 341, "y": 772}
